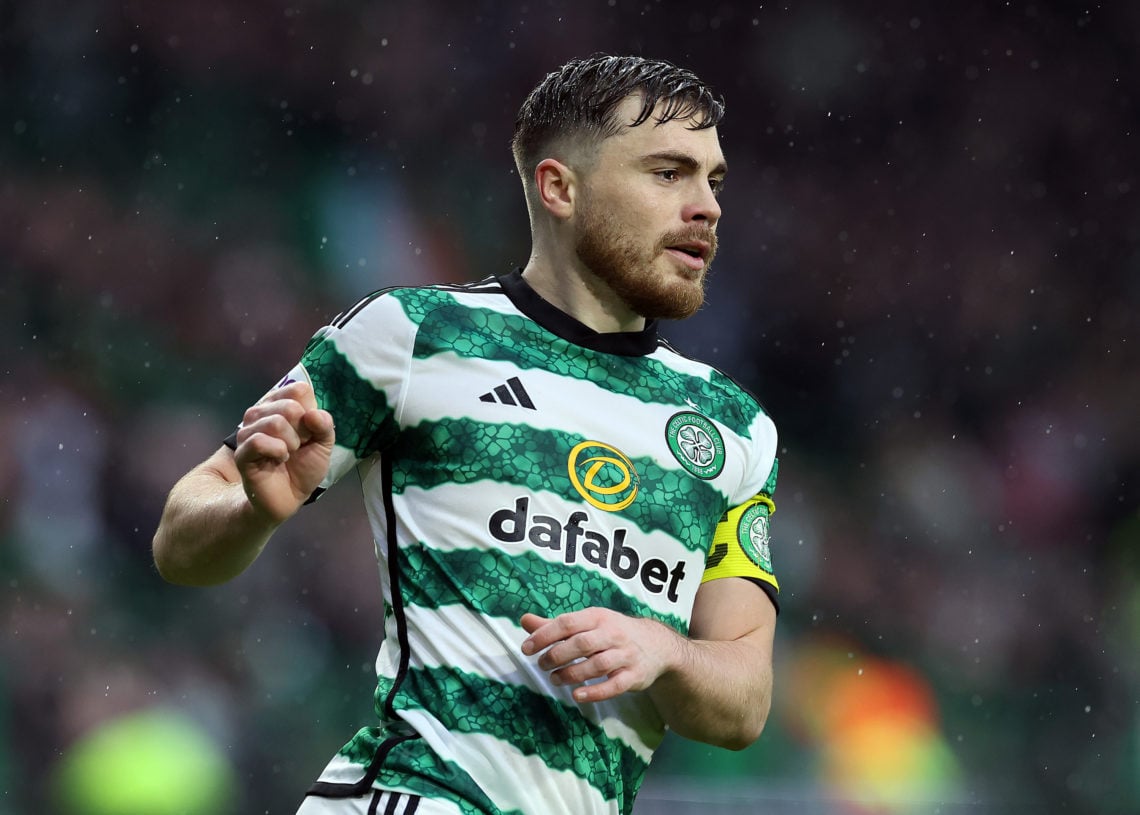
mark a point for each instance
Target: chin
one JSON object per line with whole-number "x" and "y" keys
{"x": 673, "y": 303}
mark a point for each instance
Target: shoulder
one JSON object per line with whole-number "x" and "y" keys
{"x": 412, "y": 302}
{"x": 729, "y": 392}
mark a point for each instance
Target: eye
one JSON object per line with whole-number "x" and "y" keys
{"x": 716, "y": 185}
{"x": 668, "y": 175}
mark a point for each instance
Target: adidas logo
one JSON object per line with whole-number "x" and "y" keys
{"x": 512, "y": 393}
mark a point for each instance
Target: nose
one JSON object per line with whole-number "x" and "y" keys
{"x": 704, "y": 205}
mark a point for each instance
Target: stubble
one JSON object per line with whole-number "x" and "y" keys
{"x": 628, "y": 267}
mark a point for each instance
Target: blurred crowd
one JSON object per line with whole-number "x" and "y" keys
{"x": 929, "y": 275}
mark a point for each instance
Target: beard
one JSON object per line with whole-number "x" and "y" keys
{"x": 627, "y": 266}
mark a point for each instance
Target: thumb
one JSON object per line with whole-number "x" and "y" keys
{"x": 319, "y": 423}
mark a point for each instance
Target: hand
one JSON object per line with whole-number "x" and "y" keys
{"x": 283, "y": 450}
{"x": 631, "y": 652}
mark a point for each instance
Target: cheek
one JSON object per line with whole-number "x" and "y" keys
{"x": 636, "y": 206}
{"x": 641, "y": 226}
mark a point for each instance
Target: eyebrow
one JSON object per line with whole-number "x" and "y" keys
{"x": 684, "y": 160}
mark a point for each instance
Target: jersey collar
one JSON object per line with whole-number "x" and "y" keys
{"x": 558, "y": 322}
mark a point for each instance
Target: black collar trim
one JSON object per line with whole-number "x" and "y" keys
{"x": 553, "y": 319}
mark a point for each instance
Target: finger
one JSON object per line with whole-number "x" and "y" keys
{"x": 274, "y": 425}
{"x": 532, "y": 622}
{"x": 584, "y": 669}
{"x": 543, "y": 631}
{"x": 299, "y": 390}
{"x": 318, "y": 426}
{"x": 577, "y": 647}
{"x": 617, "y": 684}
{"x": 559, "y": 628}
{"x": 259, "y": 447}
{"x": 291, "y": 409}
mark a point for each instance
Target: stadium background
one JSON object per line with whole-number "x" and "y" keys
{"x": 929, "y": 274}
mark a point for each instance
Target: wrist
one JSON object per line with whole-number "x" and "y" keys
{"x": 256, "y": 516}
{"x": 673, "y": 651}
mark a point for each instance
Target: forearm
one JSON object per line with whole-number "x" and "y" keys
{"x": 717, "y": 692}
{"x": 713, "y": 686}
{"x": 209, "y": 531}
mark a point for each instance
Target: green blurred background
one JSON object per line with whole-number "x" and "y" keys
{"x": 930, "y": 274}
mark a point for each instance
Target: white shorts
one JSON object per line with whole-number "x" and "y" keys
{"x": 377, "y": 802}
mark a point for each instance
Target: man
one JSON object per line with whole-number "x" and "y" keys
{"x": 570, "y": 517}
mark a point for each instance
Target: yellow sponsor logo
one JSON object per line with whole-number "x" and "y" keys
{"x": 603, "y": 475}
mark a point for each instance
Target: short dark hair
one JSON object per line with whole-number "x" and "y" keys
{"x": 581, "y": 97}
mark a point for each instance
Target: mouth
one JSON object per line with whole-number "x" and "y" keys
{"x": 694, "y": 254}
{"x": 694, "y": 249}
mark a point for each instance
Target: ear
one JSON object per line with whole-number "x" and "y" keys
{"x": 557, "y": 187}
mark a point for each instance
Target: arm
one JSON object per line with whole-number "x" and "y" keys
{"x": 714, "y": 686}
{"x": 720, "y": 691}
{"x": 219, "y": 516}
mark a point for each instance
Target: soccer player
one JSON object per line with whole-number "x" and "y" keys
{"x": 571, "y": 518}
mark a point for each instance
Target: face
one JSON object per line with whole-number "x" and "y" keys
{"x": 646, "y": 214}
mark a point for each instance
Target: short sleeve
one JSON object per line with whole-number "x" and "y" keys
{"x": 356, "y": 367}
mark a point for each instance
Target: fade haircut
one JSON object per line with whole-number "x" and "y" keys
{"x": 580, "y": 99}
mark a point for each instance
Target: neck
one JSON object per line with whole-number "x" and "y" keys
{"x": 574, "y": 289}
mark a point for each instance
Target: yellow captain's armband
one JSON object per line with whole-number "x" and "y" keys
{"x": 740, "y": 543}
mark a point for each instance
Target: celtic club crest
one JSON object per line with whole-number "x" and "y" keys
{"x": 753, "y": 536}
{"x": 696, "y": 444}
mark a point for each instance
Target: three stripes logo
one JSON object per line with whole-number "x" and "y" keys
{"x": 512, "y": 393}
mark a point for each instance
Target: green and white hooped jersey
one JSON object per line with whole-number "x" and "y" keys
{"x": 514, "y": 461}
